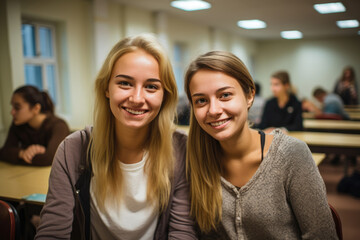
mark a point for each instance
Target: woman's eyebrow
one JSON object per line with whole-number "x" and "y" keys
{"x": 197, "y": 95}
{"x": 131, "y": 78}
{"x": 153, "y": 80}
{"x": 223, "y": 88}
{"x": 124, "y": 76}
{"x": 217, "y": 91}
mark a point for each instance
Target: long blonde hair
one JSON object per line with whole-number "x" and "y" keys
{"x": 159, "y": 166}
{"x": 203, "y": 162}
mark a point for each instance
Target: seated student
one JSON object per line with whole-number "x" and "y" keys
{"x": 36, "y": 132}
{"x": 332, "y": 105}
{"x": 346, "y": 87}
{"x": 245, "y": 184}
{"x": 284, "y": 109}
{"x": 125, "y": 177}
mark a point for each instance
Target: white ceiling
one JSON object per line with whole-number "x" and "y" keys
{"x": 279, "y": 15}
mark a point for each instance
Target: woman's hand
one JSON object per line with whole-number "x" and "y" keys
{"x": 28, "y": 154}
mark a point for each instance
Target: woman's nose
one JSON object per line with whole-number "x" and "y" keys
{"x": 12, "y": 112}
{"x": 137, "y": 96}
{"x": 214, "y": 108}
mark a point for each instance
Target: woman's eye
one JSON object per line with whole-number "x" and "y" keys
{"x": 124, "y": 83}
{"x": 225, "y": 95}
{"x": 152, "y": 87}
{"x": 200, "y": 101}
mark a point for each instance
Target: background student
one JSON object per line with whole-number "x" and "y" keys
{"x": 346, "y": 87}
{"x": 36, "y": 132}
{"x": 125, "y": 179}
{"x": 284, "y": 109}
{"x": 245, "y": 184}
{"x": 332, "y": 106}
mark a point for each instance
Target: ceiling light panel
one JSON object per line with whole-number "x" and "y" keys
{"x": 190, "y": 5}
{"x": 251, "y": 24}
{"x": 347, "y": 23}
{"x": 325, "y": 8}
{"x": 294, "y": 34}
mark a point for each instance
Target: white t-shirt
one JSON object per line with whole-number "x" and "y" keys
{"x": 134, "y": 217}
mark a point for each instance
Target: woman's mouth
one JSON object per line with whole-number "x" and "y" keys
{"x": 135, "y": 112}
{"x": 219, "y": 123}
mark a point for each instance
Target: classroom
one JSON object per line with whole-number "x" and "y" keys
{"x": 80, "y": 34}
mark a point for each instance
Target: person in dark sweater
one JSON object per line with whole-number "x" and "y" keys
{"x": 36, "y": 132}
{"x": 346, "y": 87}
{"x": 284, "y": 109}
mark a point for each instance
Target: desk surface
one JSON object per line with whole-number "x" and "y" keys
{"x": 328, "y": 139}
{"x": 355, "y": 116}
{"x": 17, "y": 181}
{"x": 318, "y": 157}
{"x": 352, "y": 110}
{"x": 331, "y": 124}
{"x": 352, "y": 107}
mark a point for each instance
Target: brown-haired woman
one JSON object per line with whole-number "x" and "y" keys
{"x": 245, "y": 184}
{"x": 36, "y": 132}
{"x": 284, "y": 109}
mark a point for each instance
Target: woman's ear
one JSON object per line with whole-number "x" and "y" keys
{"x": 107, "y": 93}
{"x": 250, "y": 98}
{"x": 36, "y": 108}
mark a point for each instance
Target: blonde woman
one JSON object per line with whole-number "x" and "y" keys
{"x": 128, "y": 181}
{"x": 245, "y": 184}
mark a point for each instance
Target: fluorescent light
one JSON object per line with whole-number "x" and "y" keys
{"x": 291, "y": 34}
{"x": 325, "y": 8}
{"x": 251, "y": 24}
{"x": 190, "y": 5}
{"x": 347, "y": 23}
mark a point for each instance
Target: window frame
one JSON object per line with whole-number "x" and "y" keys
{"x": 38, "y": 60}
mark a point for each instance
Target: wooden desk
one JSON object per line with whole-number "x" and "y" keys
{"x": 334, "y": 126}
{"x": 318, "y": 157}
{"x": 352, "y": 110}
{"x": 17, "y": 181}
{"x": 338, "y": 143}
{"x": 354, "y": 116}
{"x": 352, "y": 107}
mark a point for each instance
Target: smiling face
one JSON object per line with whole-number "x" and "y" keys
{"x": 219, "y": 103}
{"x": 135, "y": 90}
{"x": 21, "y": 111}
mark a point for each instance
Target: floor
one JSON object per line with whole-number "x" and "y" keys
{"x": 348, "y": 207}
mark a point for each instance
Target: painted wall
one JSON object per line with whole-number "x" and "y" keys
{"x": 87, "y": 30}
{"x": 311, "y": 63}
{"x": 10, "y": 59}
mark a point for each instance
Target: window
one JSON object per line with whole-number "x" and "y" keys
{"x": 180, "y": 53}
{"x": 40, "y": 63}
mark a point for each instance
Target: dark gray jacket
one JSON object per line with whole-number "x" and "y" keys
{"x": 66, "y": 213}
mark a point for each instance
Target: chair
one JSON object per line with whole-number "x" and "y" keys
{"x": 9, "y": 222}
{"x": 337, "y": 222}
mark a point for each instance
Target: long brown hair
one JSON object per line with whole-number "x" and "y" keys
{"x": 159, "y": 166}
{"x": 203, "y": 163}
